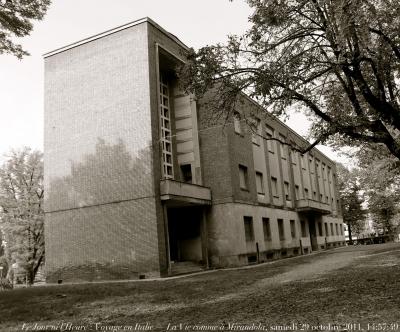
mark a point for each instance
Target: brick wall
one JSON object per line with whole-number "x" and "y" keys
{"x": 101, "y": 216}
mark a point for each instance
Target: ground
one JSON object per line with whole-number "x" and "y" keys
{"x": 330, "y": 290}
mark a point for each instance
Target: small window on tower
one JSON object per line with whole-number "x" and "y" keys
{"x": 236, "y": 123}
{"x": 186, "y": 173}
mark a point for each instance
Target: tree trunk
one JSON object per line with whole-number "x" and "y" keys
{"x": 350, "y": 238}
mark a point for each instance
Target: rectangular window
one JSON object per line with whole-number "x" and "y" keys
{"x": 281, "y": 229}
{"x": 269, "y": 133}
{"x": 283, "y": 146}
{"x": 320, "y": 229}
{"x": 326, "y": 230}
{"x": 332, "y": 229}
{"x": 186, "y": 173}
{"x": 236, "y": 123}
{"x": 287, "y": 191}
{"x": 303, "y": 161}
{"x": 303, "y": 228}
{"x": 336, "y": 228}
{"x": 306, "y": 193}
{"x": 260, "y": 183}
{"x": 293, "y": 229}
{"x": 256, "y": 131}
{"x": 341, "y": 229}
{"x": 248, "y": 228}
{"x": 243, "y": 181}
{"x": 293, "y": 154}
{"x": 266, "y": 229}
{"x": 167, "y": 165}
{"x": 274, "y": 182}
{"x": 297, "y": 191}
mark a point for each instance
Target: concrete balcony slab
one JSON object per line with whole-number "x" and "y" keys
{"x": 309, "y": 205}
{"x": 176, "y": 193}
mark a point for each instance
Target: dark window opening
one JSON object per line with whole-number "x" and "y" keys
{"x": 186, "y": 173}
{"x": 267, "y": 229}
{"x": 320, "y": 229}
{"x": 248, "y": 228}
{"x": 281, "y": 229}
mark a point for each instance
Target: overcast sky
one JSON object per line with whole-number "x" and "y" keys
{"x": 196, "y": 23}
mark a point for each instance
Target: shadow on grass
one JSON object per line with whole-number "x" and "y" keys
{"x": 358, "y": 291}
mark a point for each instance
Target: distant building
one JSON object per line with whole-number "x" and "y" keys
{"x": 138, "y": 182}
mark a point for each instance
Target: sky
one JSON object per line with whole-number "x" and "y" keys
{"x": 196, "y": 23}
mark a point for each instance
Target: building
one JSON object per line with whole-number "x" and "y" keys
{"x": 138, "y": 182}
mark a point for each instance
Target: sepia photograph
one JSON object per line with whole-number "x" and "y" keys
{"x": 215, "y": 165}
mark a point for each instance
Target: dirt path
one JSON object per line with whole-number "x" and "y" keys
{"x": 318, "y": 269}
{"x": 324, "y": 264}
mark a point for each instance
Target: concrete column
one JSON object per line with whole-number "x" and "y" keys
{"x": 268, "y": 173}
{"x": 165, "y": 213}
{"x": 291, "y": 177}
{"x": 278, "y": 153}
{"x": 204, "y": 238}
{"x": 317, "y": 180}
{"x": 301, "y": 175}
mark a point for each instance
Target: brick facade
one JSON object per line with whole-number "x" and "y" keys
{"x": 107, "y": 216}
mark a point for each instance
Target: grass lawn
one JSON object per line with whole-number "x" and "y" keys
{"x": 358, "y": 285}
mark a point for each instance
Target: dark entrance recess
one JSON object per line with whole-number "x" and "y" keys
{"x": 184, "y": 228}
{"x": 313, "y": 233}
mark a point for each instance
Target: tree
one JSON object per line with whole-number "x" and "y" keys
{"x": 21, "y": 215}
{"x": 350, "y": 192}
{"x": 383, "y": 209}
{"x": 16, "y": 18}
{"x": 336, "y": 60}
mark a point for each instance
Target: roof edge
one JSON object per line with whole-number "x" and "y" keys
{"x": 111, "y": 31}
{"x": 286, "y": 126}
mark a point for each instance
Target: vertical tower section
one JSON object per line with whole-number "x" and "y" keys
{"x": 100, "y": 205}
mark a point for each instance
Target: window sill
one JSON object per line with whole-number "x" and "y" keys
{"x": 245, "y": 189}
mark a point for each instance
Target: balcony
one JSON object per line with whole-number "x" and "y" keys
{"x": 309, "y": 205}
{"x": 176, "y": 193}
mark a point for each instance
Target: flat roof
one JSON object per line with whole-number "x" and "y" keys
{"x": 114, "y": 30}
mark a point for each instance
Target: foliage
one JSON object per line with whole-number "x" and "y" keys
{"x": 383, "y": 209}
{"x": 350, "y": 192}
{"x": 336, "y": 60}
{"x": 22, "y": 216}
{"x": 16, "y": 18}
{"x": 380, "y": 178}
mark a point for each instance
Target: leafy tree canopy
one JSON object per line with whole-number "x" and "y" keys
{"x": 336, "y": 60}
{"x": 21, "y": 209}
{"x": 16, "y": 18}
{"x": 352, "y": 200}
{"x": 379, "y": 175}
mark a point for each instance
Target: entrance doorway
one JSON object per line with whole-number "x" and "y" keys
{"x": 313, "y": 233}
{"x": 184, "y": 228}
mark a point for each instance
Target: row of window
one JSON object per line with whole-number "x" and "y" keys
{"x": 266, "y": 225}
{"x": 243, "y": 181}
{"x": 270, "y": 136}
